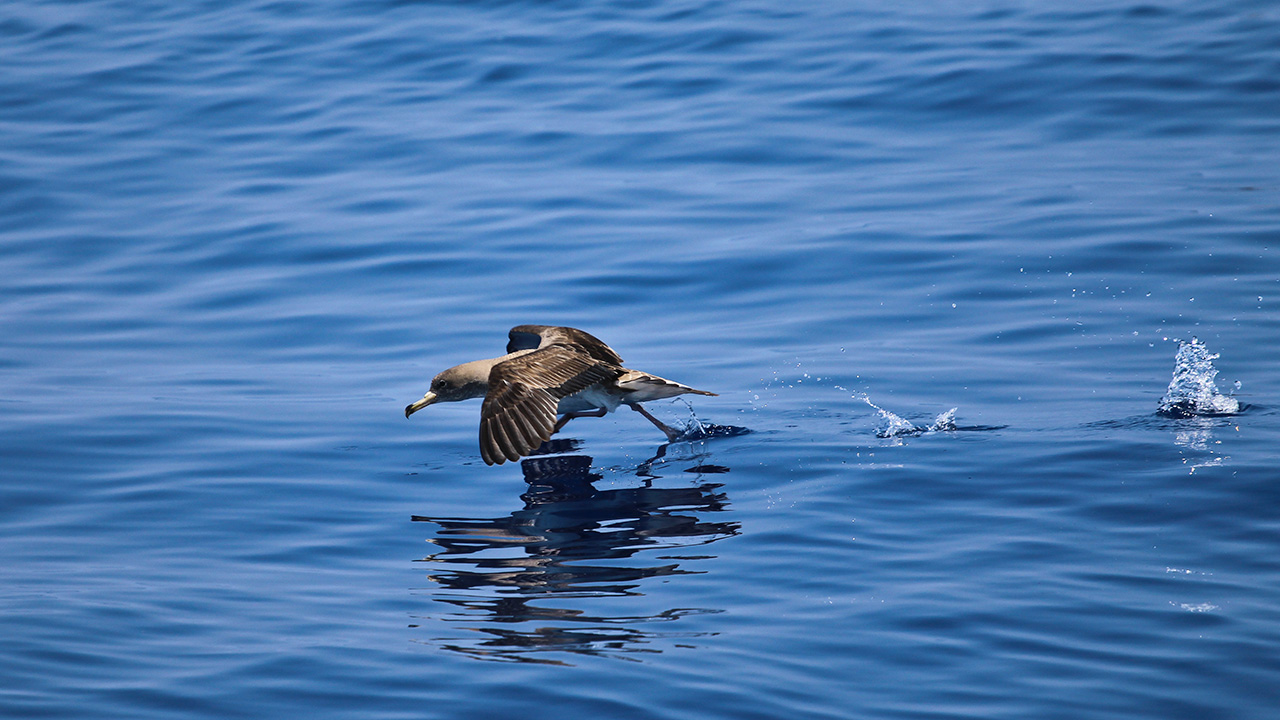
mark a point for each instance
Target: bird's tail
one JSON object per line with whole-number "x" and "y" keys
{"x": 644, "y": 387}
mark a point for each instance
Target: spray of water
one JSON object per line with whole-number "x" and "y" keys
{"x": 895, "y": 426}
{"x": 1192, "y": 391}
{"x": 695, "y": 429}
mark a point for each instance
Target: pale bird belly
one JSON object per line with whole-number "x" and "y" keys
{"x": 593, "y": 398}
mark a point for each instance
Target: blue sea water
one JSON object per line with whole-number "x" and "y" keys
{"x": 236, "y": 238}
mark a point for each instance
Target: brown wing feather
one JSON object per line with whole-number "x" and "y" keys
{"x": 519, "y": 412}
{"x": 528, "y": 337}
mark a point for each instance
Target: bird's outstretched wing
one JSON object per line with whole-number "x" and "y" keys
{"x": 519, "y": 411}
{"x": 529, "y": 337}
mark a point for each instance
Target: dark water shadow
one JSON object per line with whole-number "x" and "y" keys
{"x": 1185, "y": 410}
{"x": 540, "y": 582}
{"x": 1159, "y": 420}
{"x": 918, "y": 430}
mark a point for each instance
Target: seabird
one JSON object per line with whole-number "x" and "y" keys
{"x": 547, "y": 371}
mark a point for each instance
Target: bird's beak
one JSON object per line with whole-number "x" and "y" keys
{"x": 425, "y": 401}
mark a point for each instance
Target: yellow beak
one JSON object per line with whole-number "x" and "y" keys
{"x": 415, "y": 407}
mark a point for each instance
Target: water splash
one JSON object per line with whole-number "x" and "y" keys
{"x": 695, "y": 429}
{"x": 1192, "y": 392}
{"x": 894, "y": 426}
{"x": 945, "y": 421}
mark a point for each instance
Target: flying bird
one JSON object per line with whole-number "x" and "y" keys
{"x": 547, "y": 371}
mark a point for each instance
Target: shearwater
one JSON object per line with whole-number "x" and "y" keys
{"x": 547, "y": 371}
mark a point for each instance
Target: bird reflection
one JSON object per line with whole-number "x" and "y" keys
{"x": 572, "y": 547}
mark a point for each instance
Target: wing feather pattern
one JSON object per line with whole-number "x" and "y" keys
{"x": 529, "y": 337}
{"x": 519, "y": 412}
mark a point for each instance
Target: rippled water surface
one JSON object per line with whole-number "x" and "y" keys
{"x": 237, "y": 238}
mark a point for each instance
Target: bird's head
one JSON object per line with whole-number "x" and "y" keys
{"x": 461, "y": 382}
